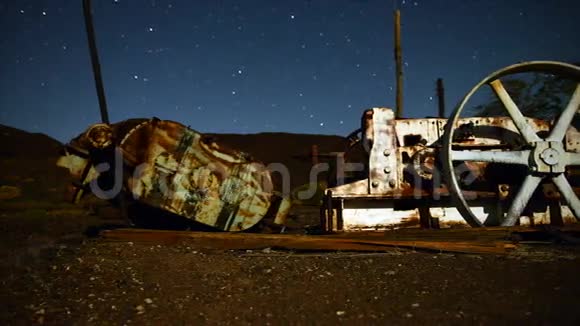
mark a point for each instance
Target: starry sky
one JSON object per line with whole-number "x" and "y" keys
{"x": 251, "y": 66}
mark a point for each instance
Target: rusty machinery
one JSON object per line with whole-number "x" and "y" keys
{"x": 477, "y": 171}
{"x": 430, "y": 172}
{"x": 164, "y": 165}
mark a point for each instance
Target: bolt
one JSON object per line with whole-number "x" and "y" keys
{"x": 387, "y": 152}
{"x": 392, "y": 182}
{"x": 387, "y": 170}
{"x": 550, "y": 156}
{"x": 375, "y": 184}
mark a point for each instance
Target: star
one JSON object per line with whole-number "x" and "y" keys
{"x": 162, "y": 57}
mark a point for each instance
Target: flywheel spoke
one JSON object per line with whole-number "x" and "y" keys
{"x": 568, "y": 193}
{"x": 565, "y": 119}
{"x": 547, "y": 156}
{"x": 573, "y": 158}
{"x": 518, "y": 118}
{"x": 521, "y": 200}
{"x": 513, "y": 157}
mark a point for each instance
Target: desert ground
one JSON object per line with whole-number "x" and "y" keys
{"x": 56, "y": 269}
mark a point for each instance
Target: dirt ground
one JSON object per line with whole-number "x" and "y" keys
{"x": 54, "y": 270}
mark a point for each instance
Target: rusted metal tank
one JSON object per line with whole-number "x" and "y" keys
{"x": 168, "y": 166}
{"x": 165, "y": 165}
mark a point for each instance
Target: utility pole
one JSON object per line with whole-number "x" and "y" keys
{"x": 441, "y": 97}
{"x": 399, "y": 65}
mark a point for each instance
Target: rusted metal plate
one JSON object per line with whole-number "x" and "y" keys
{"x": 379, "y": 138}
{"x": 476, "y": 131}
{"x": 357, "y": 217}
{"x": 191, "y": 176}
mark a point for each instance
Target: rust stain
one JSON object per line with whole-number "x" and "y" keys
{"x": 404, "y": 164}
{"x": 172, "y": 167}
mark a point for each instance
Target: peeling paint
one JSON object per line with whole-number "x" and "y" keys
{"x": 169, "y": 166}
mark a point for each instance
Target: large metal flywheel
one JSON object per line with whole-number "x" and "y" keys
{"x": 544, "y": 157}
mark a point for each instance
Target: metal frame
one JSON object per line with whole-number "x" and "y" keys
{"x": 405, "y": 155}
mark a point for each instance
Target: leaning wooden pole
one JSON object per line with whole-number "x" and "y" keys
{"x": 399, "y": 65}
{"x": 95, "y": 61}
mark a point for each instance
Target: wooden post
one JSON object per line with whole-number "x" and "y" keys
{"x": 314, "y": 154}
{"x": 399, "y": 65}
{"x": 95, "y": 61}
{"x": 441, "y": 97}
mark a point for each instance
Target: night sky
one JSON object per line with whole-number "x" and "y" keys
{"x": 251, "y": 66}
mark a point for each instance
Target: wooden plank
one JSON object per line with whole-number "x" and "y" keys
{"x": 466, "y": 234}
{"x": 243, "y": 241}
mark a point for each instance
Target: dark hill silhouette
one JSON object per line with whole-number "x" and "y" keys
{"x": 32, "y": 157}
{"x": 292, "y": 150}
{"x": 19, "y": 143}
